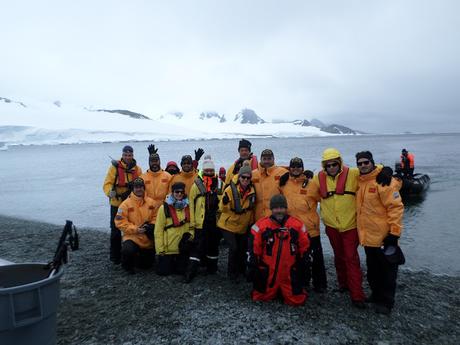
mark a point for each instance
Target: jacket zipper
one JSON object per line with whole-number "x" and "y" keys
{"x": 278, "y": 257}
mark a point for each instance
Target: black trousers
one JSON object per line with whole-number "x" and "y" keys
{"x": 315, "y": 270}
{"x": 115, "y": 237}
{"x": 381, "y": 276}
{"x": 238, "y": 246}
{"x": 171, "y": 264}
{"x": 206, "y": 245}
{"x": 133, "y": 256}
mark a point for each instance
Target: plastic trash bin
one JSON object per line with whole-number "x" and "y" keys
{"x": 28, "y": 304}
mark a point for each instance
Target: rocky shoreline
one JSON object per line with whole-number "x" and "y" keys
{"x": 100, "y": 304}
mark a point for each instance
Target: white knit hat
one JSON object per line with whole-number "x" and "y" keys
{"x": 208, "y": 163}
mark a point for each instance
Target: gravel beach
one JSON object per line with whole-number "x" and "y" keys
{"x": 100, "y": 304}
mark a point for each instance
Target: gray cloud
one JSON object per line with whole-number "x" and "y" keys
{"x": 371, "y": 65}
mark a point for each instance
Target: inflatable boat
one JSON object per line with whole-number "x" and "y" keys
{"x": 412, "y": 186}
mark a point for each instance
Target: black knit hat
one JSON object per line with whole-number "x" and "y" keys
{"x": 278, "y": 200}
{"x": 244, "y": 143}
{"x": 267, "y": 152}
{"x": 295, "y": 162}
{"x": 128, "y": 148}
{"x": 178, "y": 186}
{"x": 186, "y": 159}
{"x": 138, "y": 182}
{"x": 365, "y": 154}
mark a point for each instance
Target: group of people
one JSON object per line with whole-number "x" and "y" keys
{"x": 267, "y": 214}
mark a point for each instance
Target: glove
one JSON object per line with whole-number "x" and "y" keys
{"x": 283, "y": 179}
{"x": 149, "y": 228}
{"x": 384, "y": 176}
{"x": 186, "y": 244}
{"x": 225, "y": 199}
{"x": 198, "y": 154}
{"x": 251, "y": 268}
{"x": 112, "y": 194}
{"x": 152, "y": 149}
{"x": 390, "y": 240}
{"x": 308, "y": 173}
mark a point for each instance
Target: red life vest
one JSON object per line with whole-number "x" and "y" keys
{"x": 123, "y": 174}
{"x": 339, "y": 187}
{"x": 170, "y": 212}
{"x": 410, "y": 157}
{"x": 254, "y": 163}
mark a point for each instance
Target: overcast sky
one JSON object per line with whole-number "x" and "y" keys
{"x": 379, "y": 66}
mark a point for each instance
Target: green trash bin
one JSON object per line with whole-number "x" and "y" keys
{"x": 29, "y": 299}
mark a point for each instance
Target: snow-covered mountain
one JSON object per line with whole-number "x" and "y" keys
{"x": 56, "y": 122}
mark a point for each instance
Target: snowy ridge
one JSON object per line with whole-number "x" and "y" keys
{"x": 35, "y": 123}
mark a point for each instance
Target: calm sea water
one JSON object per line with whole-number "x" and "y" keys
{"x": 55, "y": 183}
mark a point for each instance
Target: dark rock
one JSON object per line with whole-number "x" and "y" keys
{"x": 338, "y": 129}
{"x": 248, "y": 116}
{"x": 127, "y": 113}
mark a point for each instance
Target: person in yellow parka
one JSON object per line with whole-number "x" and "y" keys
{"x": 204, "y": 203}
{"x": 244, "y": 150}
{"x": 187, "y": 175}
{"x": 134, "y": 219}
{"x": 237, "y": 215}
{"x": 266, "y": 182}
{"x": 173, "y": 232}
{"x": 116, "y": 186}
{"x": 379, "y": 216}
{"x": 293, "y": 185}
{"x": 156, "y": 180}
{"x": 334, "y": 188}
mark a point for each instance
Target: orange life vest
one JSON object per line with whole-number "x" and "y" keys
{"x": 410, "y": 157}
{"x": 121, "y": 180}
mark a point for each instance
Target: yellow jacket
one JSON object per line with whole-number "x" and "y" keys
{"x": 132, "y": 213}
{"x": 186, "y": 177}
{"x": 337, "y": 211}
{"x": 167, "y": 241}
{"x": 112, "y": 177}
{"x": 266, "y": 184}
{"x": 156, "y": 187}
{"x": 379, "y": 210}
{"x": 299, "y": 206}
{"x": 231, "y": 221}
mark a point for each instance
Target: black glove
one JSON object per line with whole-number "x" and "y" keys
{"x": 149, "y": 228}
{"x": 283, "y": 179}
{"x": 390, "y": 240}
{"x": 308, "y": 173}
{"x": 252, "y": 268}
{"x": 152, "y": 149}
{"x": 186, "y": 243}
{"x": 199, "y": 153}
{"x": 225, "y": 199}
{"x": 384, "y": 176}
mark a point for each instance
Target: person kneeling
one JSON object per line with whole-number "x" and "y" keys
{"x": 173, "y": 232}
{"x": 134, "y": 218}
{"x": 277, "y": 255}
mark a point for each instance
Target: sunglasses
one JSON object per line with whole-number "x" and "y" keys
{"x": 243, "y": 177}
{"x": 332, "y": 165}
{"x": 179, "y": 191}
{"x": 363, "y": 163}
{"x": 296, "y": 166}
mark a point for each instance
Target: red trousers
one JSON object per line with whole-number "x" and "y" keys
{"x": 283, "y": 288}
{"x": 346, "y": 259}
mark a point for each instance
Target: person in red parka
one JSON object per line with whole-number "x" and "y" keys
{"x": 277, "y": 255}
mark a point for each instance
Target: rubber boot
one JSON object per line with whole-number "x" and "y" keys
{"x": 192, "y": 270}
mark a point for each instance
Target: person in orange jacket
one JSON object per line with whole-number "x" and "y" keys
{"x": 407, "y": 163}
{"x": 266, "y": 179}
{"x": 244, "y": 150}
{"x": 156, "y": 180}
{"x": 187, "y": 175}
{"x": 277, "y": 254}
{"x": 135, "y": 220}
{"x": 117, "y": 186}
{"x": 379, "y": 217}
{"x": 293, "y": 185}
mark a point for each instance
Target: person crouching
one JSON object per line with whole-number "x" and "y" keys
{"x": 173, "y": 232}
{"x": 277, "y": 254}
{"x": 135, "y": 218}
